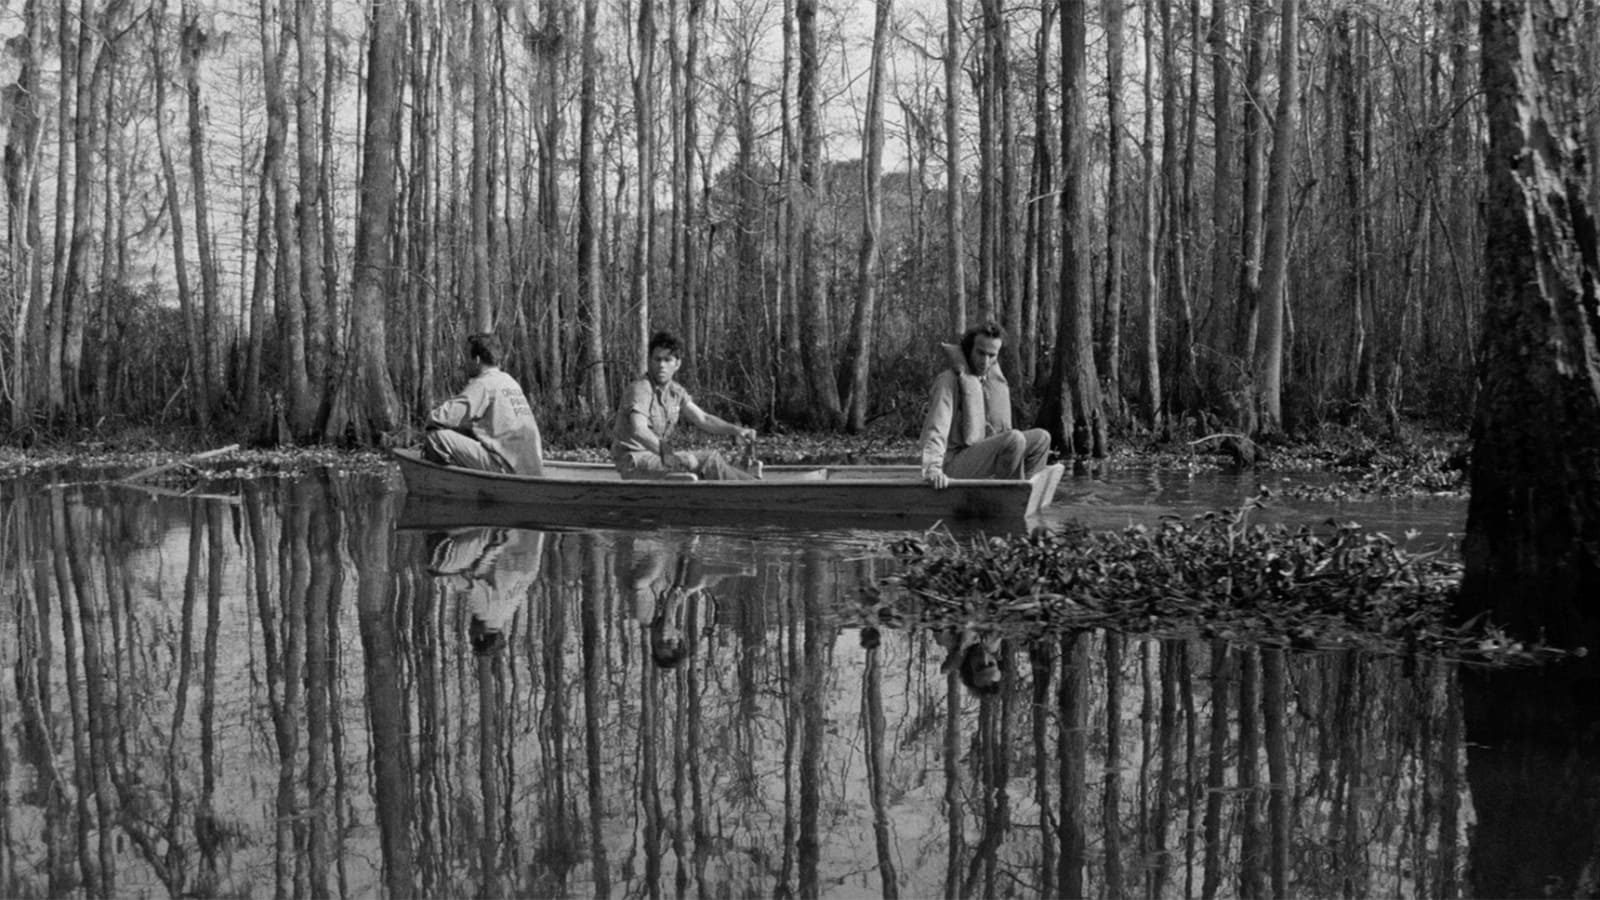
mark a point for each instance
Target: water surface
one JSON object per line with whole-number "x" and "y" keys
{"x": 290, "y": 687}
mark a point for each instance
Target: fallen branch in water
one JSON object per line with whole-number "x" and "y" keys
{"x": 187, "y": 460}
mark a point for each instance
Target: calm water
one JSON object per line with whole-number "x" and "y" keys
{"x": 299, "y": 688}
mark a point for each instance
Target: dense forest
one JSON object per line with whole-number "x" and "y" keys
{"x": 278, "y": 219}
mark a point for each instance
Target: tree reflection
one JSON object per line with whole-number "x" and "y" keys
{"x": 280, "y": 694}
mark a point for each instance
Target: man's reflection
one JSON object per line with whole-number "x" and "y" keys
{"x": 490, "y": 569}
{"x": 668, "y": 581}
{"x": 976, "y": 655}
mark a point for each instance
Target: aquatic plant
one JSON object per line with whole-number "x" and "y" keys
{"x": 1215, "y": 575}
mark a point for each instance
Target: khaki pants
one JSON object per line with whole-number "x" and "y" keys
{"x": 442, "y": 445}
{"x": 708, "y": 464}
{"x": 1009, "y": 454}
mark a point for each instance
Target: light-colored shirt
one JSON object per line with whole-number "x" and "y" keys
{"x": 495, "y": 410}
{"x": 660, "y": 408}
{"x": 939, "y": 438}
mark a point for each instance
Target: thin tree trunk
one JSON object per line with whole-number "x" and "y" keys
{"x": 1275, "y": 257}
{"x": 954, "y": 224}
{"x": 85, "y": 134}
{"x": 1225, "y": 259}
{"x": 190, "y": 45}
{"x": 1110, "y": 343}
{"x": 308, "y": 215}
{"x": 483, "y": 313}
{"x": 1247, "y": 312}
{"x": 815, "y": 320}
{"x": 595, "y": 392}
{"x": 194, "y": 339}
{"x": 862, "y": 327}
{"x": 645, "y": 124}
{"x": 1149, "y": 381}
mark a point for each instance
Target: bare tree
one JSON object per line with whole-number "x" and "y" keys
{"x": 22, "y": 133}
{"x": 862, "y": 326}
{"x": 595, "y": 393}
{"x": 1109, "y": 359}
{"x": 1071, "y": 405}
{"x": 1275, "y": 255}
{"x": 816, "y": 344}
{"x": 955, "y": 189}
{"x": 191, "y": 45}
{"x": 374, "y": 406}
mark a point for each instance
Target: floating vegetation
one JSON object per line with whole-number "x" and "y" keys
{"x": 1214, "y": 576}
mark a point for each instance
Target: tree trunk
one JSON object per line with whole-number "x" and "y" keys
{"x": 85, "y": 134}
{"x": 693, "y": 314}
{"x": 1275, "y": 256}
{"x": 1041, "y": 208}
{"x": 1071, "y": 407}
{"x": 293, "y": 400}
{"x": 1110, "y": 343}
{"x": 594, "y": 389}
{"x": 1240, "y": 406}
{"x": 191, "y": 44}
{"x": 1149, "y": 359}
{"x": 954, "y": 226}
{"x": 862, "y": 326}
{"x": 374, "y": 407}
{"x": 1532, "y": 548}
{"x": 645, "y": 124}
{"x": 308, "y": 218}
{"x": 816, "y": 324}
{"x": 194, "y": 339}
{"x": 1226, "y": 263}
{"x": 483, "y": 312}
{"x": 22, "y": 133}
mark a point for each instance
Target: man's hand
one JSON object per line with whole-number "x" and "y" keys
{"x": 745, "y": 434}
{"x": 938, "y": 479}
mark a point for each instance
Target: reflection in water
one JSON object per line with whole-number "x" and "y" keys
{"x": 282, "y": 695}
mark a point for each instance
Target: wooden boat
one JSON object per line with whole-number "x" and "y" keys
{"x": 596, "y": 492}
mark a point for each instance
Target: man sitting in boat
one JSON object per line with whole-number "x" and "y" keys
{"x": 649, "y": 412}
{"x": 489, "y": 425}
{"x": 967, "y": 432}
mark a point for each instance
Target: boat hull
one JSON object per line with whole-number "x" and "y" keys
{"x": 840, "y": 493}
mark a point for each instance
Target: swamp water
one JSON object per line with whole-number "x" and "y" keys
{"x": 289, "y": 688}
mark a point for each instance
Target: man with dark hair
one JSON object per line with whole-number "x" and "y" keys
{"x": 489, "y": 425}
{"x": 967, "y": 432}
{"x": 648, "y": 413}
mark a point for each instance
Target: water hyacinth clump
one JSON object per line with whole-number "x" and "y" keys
{"x": 1210, "y": 576}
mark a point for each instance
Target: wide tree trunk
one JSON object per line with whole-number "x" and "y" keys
{"x": 1071, "y": 405}
{"x": 22, "y": 128}
{"x": 1532, "y": 548}
{"x": 373, "y": 405}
